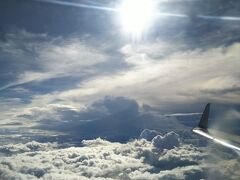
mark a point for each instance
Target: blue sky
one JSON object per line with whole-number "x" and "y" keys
{"x": 69, "y": 73}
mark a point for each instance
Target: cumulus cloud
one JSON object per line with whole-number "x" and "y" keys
{"x": 114, "y": 118}
{"x": 101, "y": 159}
{"x": 168, "y": 141}
{"x": 163, "y": 157}
{"x": 148, "y": 134}
{"x": 32, "y": 146}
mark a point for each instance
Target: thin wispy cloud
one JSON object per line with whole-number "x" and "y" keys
{"x": 54, "y": 58}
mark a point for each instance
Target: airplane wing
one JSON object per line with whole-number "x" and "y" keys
{"x": 203, "y": 130}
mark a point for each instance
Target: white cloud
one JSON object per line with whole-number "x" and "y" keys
{"x": 168, "y": 141}
{"x": 28, "y": 147}
{"x": 41, "y": 57}
{"x": 49, "y": 111}
{"x": 156, "y": 76}
{"x": 99, "y": 159}
{"x": 183, "y": 77}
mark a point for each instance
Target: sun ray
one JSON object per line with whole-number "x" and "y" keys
{"x": 137, "y": 16}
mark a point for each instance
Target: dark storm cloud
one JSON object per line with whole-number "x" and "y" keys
{"x": 114, "y": 118}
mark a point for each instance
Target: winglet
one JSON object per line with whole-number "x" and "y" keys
{"x": 204, "y": 119}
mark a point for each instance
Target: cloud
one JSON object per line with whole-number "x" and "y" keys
{"x": 33, "y": 146}
{"x": 101, "y": 159}
{"x": 222, "y": 164}
{"x": 151, "y": 74}
{"x": 148, "y": 134}
{"x": 98, "y": 159}
{"x": 100, "y": 108}
{"x": 113, "y": 118}
{"x": 49, "y": 111}
{"x": 168, "y": 141}
{"x": 199, "y": 75}
{"x": 227, "y": 120}
{"x": 41, "y": 57}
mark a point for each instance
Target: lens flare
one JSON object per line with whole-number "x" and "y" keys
{"x": 137, "y": 15}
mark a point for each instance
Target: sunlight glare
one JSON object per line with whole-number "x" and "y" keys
{"x": 137, "y": 15}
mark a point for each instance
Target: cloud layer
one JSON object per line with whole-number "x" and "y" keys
{"x": 165, "y": 157}
{"x": 98, "y": 159}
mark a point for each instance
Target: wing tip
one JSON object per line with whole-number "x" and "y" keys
{"x": 204, "y": 119}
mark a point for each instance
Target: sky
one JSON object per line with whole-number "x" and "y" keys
{"x": 98, "y": 89}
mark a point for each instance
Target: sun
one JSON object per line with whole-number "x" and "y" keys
{"x": 137, "y": 16}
